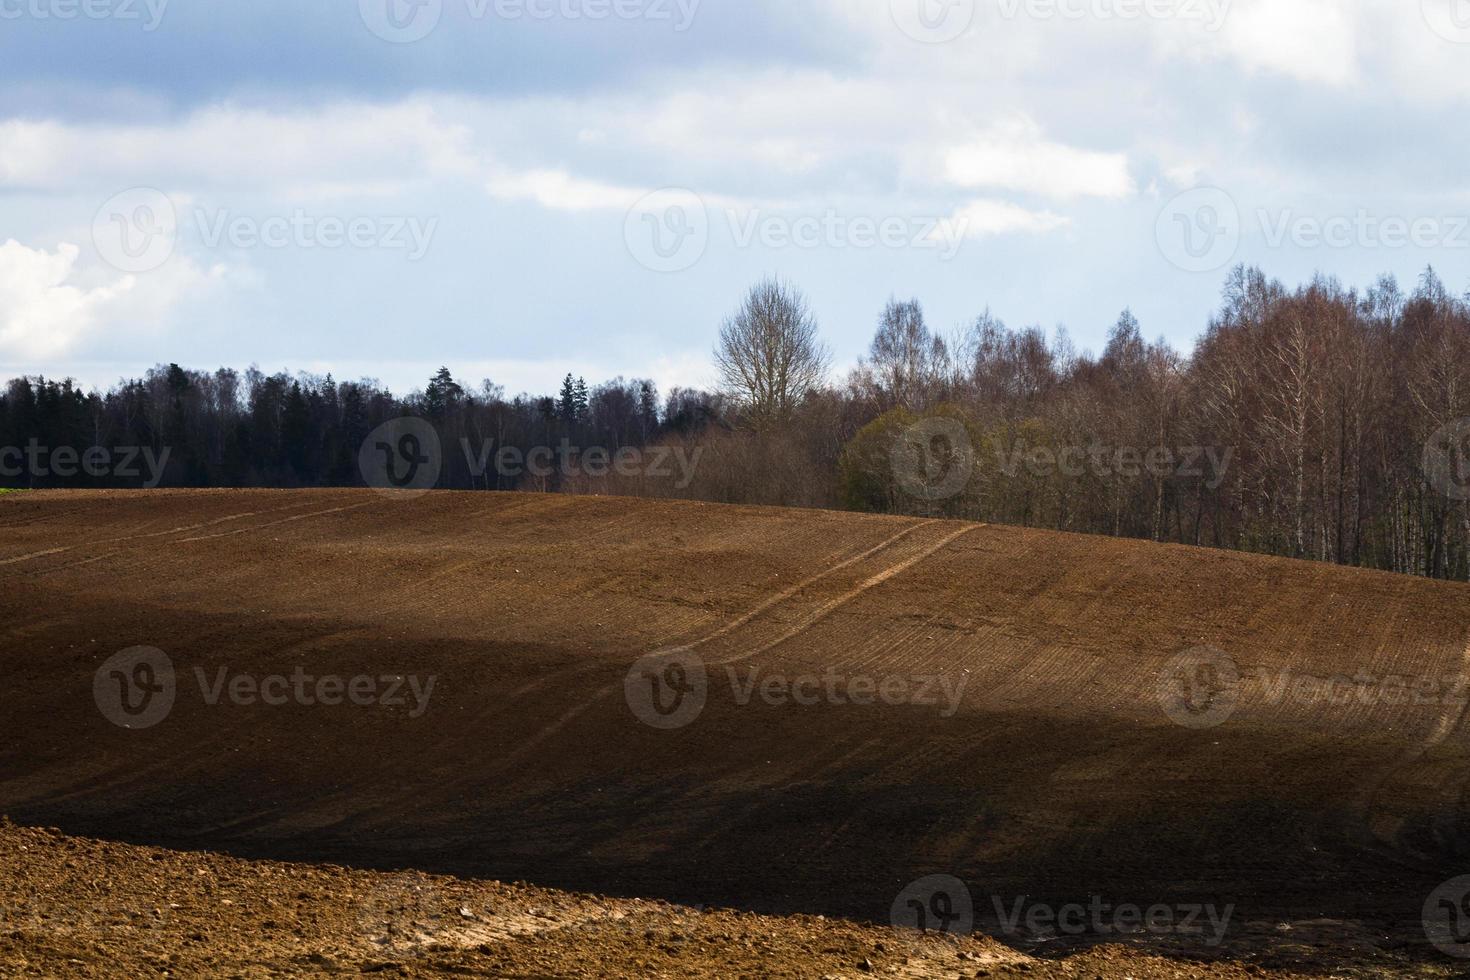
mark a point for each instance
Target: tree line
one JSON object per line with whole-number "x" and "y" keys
{"x": 1314, "y": 422}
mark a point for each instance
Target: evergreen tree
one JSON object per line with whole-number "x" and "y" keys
{"x": 581, "y": 401}
{"x": 296, "y": 433}
{"x": 567, "y": 404}
{"x": 442, "y": 394}
{"x": 354, "y": 430}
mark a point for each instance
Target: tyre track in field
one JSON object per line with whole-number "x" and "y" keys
{"x": 55, "y": 515}
{"x": 1449, "y": 722}
{"x": 847, "y": 597}
{"x": 34, "y": 555}
{"x": 1058, "y": 754}
{"x": 473, "y": 729}
{"x": 262, "y": 527}
{"x": 841, "y": 755}
{"x": 162, "y": 557}
{"x": 604, "y": 692}
{"x": 763, "y": 607}
{"x": 142, "y": 537}
{"x": 223, "y": 733}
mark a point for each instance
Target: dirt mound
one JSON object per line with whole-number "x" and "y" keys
{"x": 836, "y": 708}
{"x": 83, "y": 908}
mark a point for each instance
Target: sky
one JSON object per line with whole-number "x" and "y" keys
{"x": 519, "y": 189}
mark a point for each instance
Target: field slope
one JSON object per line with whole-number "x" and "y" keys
{"x": 1023, "y": 743}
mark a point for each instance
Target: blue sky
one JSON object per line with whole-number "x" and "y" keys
{"x": 521, "y": 188}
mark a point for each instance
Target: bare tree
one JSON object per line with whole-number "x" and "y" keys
{"x": 907, "y": 365}
{"x": 769, "y": 354}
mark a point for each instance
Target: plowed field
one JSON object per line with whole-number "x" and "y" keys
{"x": 838, "y": 706}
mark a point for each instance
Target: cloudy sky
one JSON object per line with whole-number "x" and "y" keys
{"x": 519, "y": 188}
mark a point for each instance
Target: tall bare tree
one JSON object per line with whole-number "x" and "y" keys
{"x": 769, "y": 354}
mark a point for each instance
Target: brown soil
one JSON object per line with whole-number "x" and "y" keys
{"x": 82, "y": 908}
{"x": 1057, "y": 777}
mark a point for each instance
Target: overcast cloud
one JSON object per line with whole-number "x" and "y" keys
{"x": 519, "y": 188}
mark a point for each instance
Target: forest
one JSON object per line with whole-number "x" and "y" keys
{"x": 1317, "y": 422}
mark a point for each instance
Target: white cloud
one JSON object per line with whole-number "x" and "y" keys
{"x": 40, "y": 314}
{"x": 984, "y": 217}
{"x": 1012, "y": 129}
{"x": 1014, "y": 156}
{"x": 46, "y": 310}
{"x": 561, "y": 191}
{"x": 1310, "y": 40}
